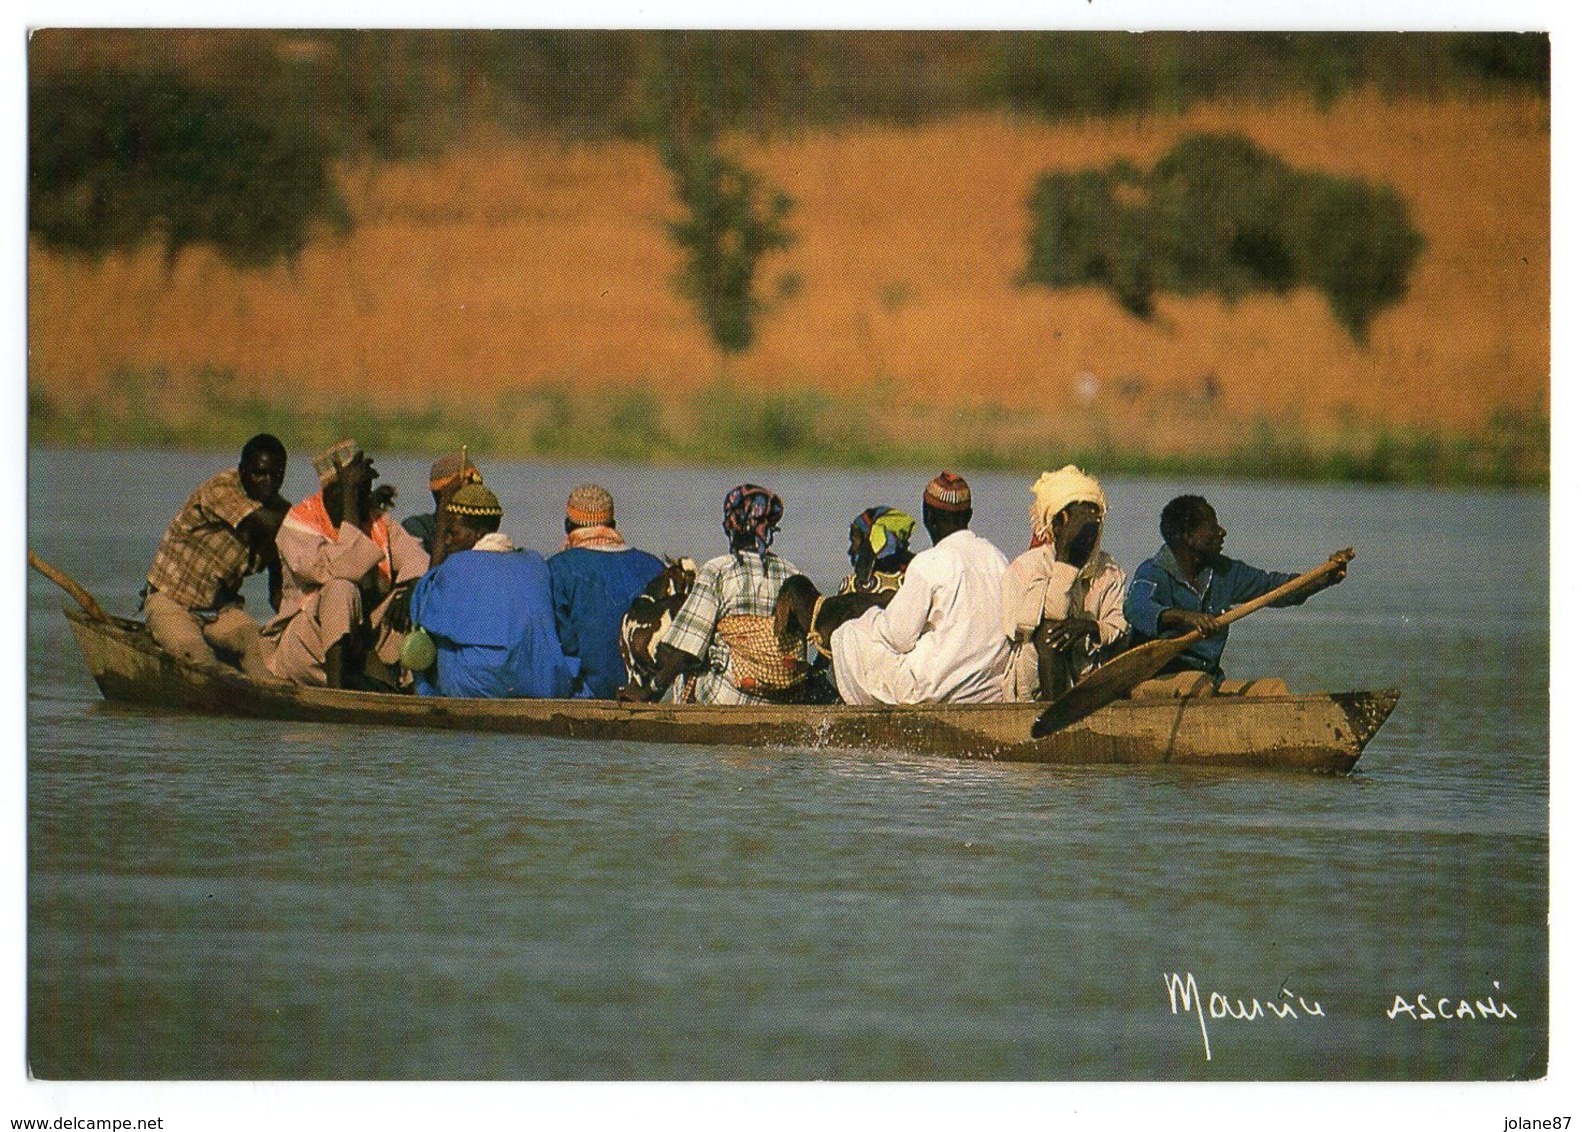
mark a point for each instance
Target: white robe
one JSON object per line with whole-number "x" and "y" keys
{"x": 1037, "y": 585}
{"x": 939, "y": 640}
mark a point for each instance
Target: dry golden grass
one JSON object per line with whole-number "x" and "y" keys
{"x": 485, "y": 271}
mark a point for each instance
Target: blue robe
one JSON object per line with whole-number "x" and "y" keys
{"x": 592, "y": 590}
{"x": 493, "y": 626}
{"x": 1159, "y": 584}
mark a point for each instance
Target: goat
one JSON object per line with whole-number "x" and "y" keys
{"x": 650, "y": 614}
{"x": 801, "y": 611}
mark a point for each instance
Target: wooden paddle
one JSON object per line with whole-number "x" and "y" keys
{"x": 1116, "y": 678}
{"x": 66, "y": 582}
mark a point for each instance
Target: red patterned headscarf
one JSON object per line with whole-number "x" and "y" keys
{"x": 752, "y": 515}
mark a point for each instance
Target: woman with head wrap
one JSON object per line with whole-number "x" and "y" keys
{"x": 725, "y": 629}
{"x": 880, "y": 551}
{"x": 1062, "y": 599}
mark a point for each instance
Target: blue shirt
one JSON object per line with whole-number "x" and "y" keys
{"x": 591, "y": 591}
{"x": 493, "y": 626}
{"x": 1160, "y": 584}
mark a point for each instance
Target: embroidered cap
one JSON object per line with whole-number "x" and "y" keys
{"x": 591, "y": 506}
{"x": 476, "y": 500}
{"x": 332, "y": 459}
{"x": 451, "y": 469}
{"x": 948, "y": 492}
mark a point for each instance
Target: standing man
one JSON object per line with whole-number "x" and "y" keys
{"x": 939, "y": 640}
{"x": 593, "y": 579}
{"x": 1190, "y": 582}
{"x": 224, "y": 533}
{"x": 487, "y": 608}
{"x": 342, "y": 557}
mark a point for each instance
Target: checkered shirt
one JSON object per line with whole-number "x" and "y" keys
{"x": 202, "y": 559}
{"x": 726, "y": 585}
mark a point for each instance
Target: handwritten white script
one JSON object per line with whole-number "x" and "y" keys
{"x": 1185, "y": 999}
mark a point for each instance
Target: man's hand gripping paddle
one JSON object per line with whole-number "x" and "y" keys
{"x": 1118, "y": 677}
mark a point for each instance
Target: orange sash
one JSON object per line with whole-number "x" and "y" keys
{"x": 311, "y": 512}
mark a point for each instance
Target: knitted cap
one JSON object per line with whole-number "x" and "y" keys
{"x": 474, "y": 499}
{"x": 591, "y": 506}
{"x": 448, "y": 469}
{"x": 948, "y": 492}
{"x": 332, "y": 459}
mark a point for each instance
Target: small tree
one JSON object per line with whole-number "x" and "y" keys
{"x": 732, "y": 217}
{"x": 732, "y": 221}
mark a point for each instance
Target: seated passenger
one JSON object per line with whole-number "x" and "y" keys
{"x": 880, "y": 551}
{"x": 445, "y": 477}
{"x": 1190, "y": 582}
{"x": 593, "y": 580}
{"x": 487, "y": 608}
{"x": 225, "y": 532}
{"x": 1062, "y": 599}
{"x": 939, "y": 639}
{"x": 724, "y": 631}
{"x": 346, "y": 572}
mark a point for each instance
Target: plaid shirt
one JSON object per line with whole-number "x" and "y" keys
{"x": 726, "y": 585}
{"x": 202, "y": 559}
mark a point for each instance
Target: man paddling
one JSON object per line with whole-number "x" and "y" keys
{"x": 1190, "y": 582}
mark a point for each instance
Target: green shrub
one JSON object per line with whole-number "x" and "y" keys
{"x": 1218, "y": 214}
{"x": 120, "y": 157}
{"x": 732, "y": 218}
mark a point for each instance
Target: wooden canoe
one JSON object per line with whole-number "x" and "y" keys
{"x": 1315, "y": 732}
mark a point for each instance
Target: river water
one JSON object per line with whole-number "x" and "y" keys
{"x": 234, "y": 899}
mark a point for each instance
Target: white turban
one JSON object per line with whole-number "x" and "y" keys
{"x": 1055, "y": 491}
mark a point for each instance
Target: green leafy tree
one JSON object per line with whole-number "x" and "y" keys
{"x": 732, "y": 217}
{"x": 1218, "y": 214}
{"x": 120, "y": 157}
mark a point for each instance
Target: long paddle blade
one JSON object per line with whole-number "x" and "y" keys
{"x": 1110, "y": 681}
{"x": 1115, "y": 679}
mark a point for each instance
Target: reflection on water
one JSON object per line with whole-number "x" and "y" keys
{"x": 233, "y": 898}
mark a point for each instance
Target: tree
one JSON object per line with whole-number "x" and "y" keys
{"x": 733, "y": 218}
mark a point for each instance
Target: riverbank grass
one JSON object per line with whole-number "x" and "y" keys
{"x": 723, "y": 424}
